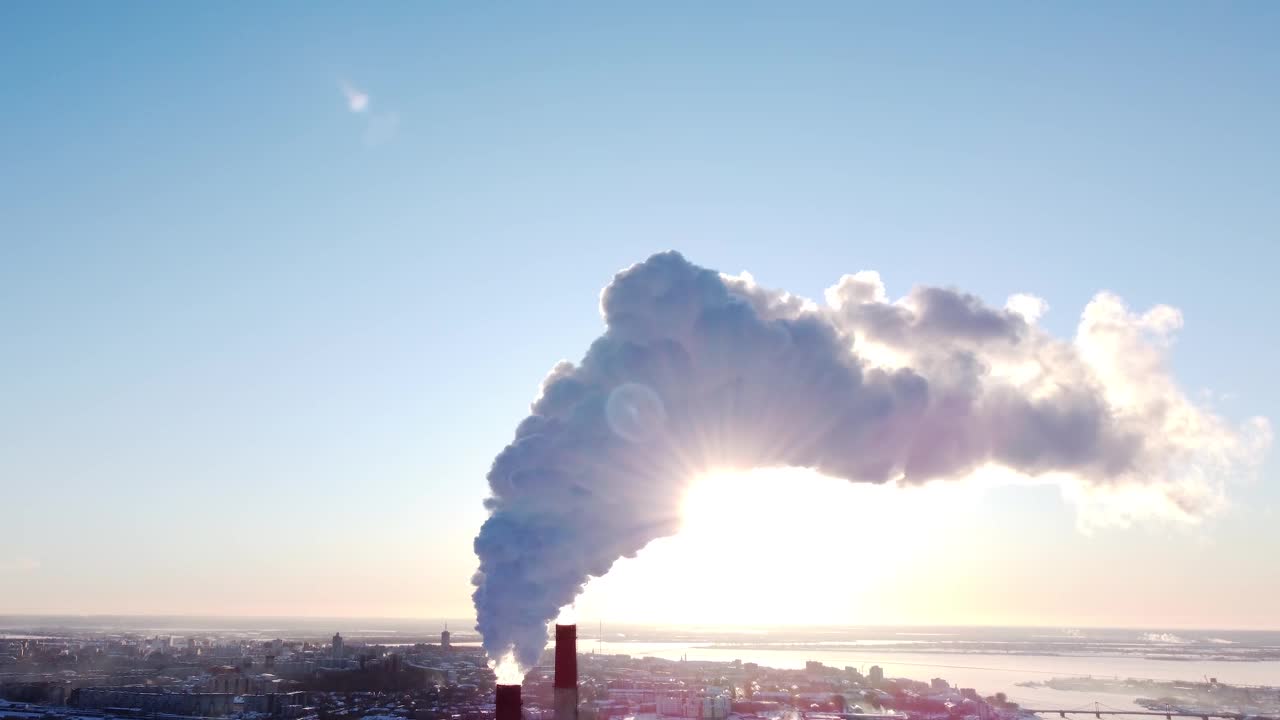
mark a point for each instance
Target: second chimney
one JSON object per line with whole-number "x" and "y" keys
{"x": 566, "y": 700}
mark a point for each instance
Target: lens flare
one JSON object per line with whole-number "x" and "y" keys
{"x": 635, "y": 412}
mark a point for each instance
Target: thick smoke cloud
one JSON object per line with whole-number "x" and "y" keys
{"x": 699, "y": 371}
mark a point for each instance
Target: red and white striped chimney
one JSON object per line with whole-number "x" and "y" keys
{"x": 566, "y": 684}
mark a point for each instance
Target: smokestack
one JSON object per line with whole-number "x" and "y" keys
{"x": 508, "y": 703}
{"x": 566, "y": 701}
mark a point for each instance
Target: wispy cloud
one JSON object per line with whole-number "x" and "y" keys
{"x": 357, "y": 99}
{"x": 380, "y": 126}
{"x": 17, "y": 565}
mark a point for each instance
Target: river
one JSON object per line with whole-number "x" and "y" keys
{"x": 988, "y": 673}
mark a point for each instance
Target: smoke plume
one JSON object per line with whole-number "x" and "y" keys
{"x": 698, "y": 371}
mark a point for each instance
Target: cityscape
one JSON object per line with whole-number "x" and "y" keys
{"x": 83, "y": 673}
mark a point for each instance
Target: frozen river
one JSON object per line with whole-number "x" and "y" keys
{"x": 988, "y": 673}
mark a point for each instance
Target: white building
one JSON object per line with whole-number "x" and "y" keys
{"x": 690, "y": 705}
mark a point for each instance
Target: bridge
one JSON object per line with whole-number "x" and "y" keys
{"x": 1167, "y": 714}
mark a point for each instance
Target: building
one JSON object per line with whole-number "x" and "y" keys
{"x": 444, "y": 639}
{"x": 337, "y": 646}
{"x": 715, "y": 708}
{"x": 203, "y": 704}
{"x": 633, "y": 695}
{"x": 877, "y": 674}
{"x": 295, "y": 668}
{"x": 230, "y": 680}
{"x": 690, "y": 705}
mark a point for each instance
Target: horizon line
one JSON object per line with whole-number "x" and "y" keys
{"x": 633, "y": 623}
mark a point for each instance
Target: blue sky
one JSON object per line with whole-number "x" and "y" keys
{"x": 256, "y": 344}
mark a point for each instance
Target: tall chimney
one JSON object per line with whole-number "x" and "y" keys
{"x": 566, "y": 701}
{"x": 508, "y": 703}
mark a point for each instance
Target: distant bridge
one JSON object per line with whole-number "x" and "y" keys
{"x": 1167, "y": 714}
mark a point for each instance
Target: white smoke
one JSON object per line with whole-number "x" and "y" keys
{"x": 699, "y": 371}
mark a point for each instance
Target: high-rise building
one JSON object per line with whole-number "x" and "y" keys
{"x": 876, "y": 675}
{"x": 337, "y": 646}
{"x": 444, "y": 638}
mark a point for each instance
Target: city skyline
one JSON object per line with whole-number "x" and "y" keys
{"x": 278, "y": 283}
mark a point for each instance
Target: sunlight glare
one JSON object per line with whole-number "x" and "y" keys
{"x": 787, "y": 545}
{"x": 568, "y": 615}
{"x": 508, "y": 670}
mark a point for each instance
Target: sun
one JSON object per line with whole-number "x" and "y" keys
{"x": 779, "y": 546}
{"x": 783, "y": 516}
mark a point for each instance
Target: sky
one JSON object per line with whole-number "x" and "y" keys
{"x": 278, "y": 281}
